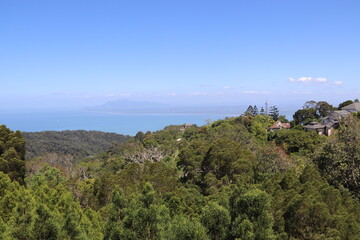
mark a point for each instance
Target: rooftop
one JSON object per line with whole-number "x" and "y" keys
{"x": 352, "y": 107}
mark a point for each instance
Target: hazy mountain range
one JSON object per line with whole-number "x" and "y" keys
{"x": 127, "y": 106}
{"x": 144, "y": 107}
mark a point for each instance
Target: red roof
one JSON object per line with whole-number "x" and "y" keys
{"x": 280, "y": 125}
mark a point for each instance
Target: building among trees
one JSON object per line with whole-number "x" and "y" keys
{"x": 279, "y": 125}
{"x": 329, "y": 123}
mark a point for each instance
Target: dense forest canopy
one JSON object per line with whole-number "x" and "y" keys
{"x": 78, "y": 143}
{"x": 231, "y": 179}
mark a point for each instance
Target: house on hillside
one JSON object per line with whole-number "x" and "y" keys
{"x": 354, "y": 107}
{"x": 321, "y": 128}
{"x": 330, "y": 123}
{"x": 279, "y": 125}
{"x": 186, "y": 126}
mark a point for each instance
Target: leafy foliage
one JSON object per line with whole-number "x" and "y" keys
{"x": 12, "y": 154}
{"x": 231, "y": 179}
{"x": 339, "y": 158}
{"x": 78, "y": 143}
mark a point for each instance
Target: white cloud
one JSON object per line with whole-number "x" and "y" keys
{"x": 117, "y": 95}
{"x": 227, "y": 87}
{"x": 249, "y": 92}
{"x": 304, "y": 79}
{"x": 321, "y": 80}
{"x": 338, "y": 83}
{"x": 308, "y": 80}
{"x": 292, "y": 79}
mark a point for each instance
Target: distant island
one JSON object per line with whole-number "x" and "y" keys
{"x": 144, "y": 107}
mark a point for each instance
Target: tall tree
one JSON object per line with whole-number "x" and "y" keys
{"x": 274, "y": 113}
{"x": 249, "y": 111}
{"x": 12, "y": 154}
{"x": 310, "y": 104}
{"x": 183, "y": 228}
{"x": 339, "y": 159}
{"x": 304, "y": 116}
{"x": 255, "y": 111}
{"x": 323, "y": 108}
{"x": 262, "y": 111}
{"x": 114, "y": 228}
{"x": 216, "y": 219}
{"x": 45, "y": 226}
{"x": 251, "y": 214}
{"x": 226, "y": 158}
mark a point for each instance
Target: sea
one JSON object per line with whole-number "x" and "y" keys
{"x": 122, "y": 123}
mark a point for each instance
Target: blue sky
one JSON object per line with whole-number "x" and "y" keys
{"x": 75, "y": 53}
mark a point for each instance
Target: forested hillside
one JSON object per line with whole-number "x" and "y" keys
{"x": 232, "y": 179}
{"x": 78, "y": 143}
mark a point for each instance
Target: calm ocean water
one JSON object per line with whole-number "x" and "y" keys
{"x": 130, "y": 124}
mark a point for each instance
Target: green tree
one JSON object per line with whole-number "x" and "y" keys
{"x": 295, "y": 140}
{"x": 323, "y": 108}
{"x": 283, "y": 119}
{"x": 183, "y": 228}
{"x": 310, "y": 104}
{"x": 11, "y": 164}
{"x": 259, "y": 127}
{"x": 304, "y": 116}
{"x": 339, "y": 158}
{"x": 226, "y": 158}
{"x": 3, "y": 228}
{"x": 255, "y": 111}
{"x": 144, "y": 219}
{"x": 251, "y": 214}
{"x": 72, "y": 225}
{"x": 12, "y": 154}
{"x": 249, "y": 111}
{"x": 189, "y": 160}
{"x": 262, "y": 111}
{"x": 274, "y": 113}
{"x": 44, "y": 226}
{"x": 114, "y": 227}
{"x": 343, "y": 104}
{"x": 21, "y": 217}
{"x": 216, "y": 219}
{"x": 103, "y": 188}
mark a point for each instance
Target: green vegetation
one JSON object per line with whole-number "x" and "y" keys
{"x": 12, "y": 154}
{"x": 313, "y": 111}
{"x": 79, "y": 144}
{"x": 232, "y": 179}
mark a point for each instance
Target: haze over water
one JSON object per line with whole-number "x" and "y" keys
{"x": 128, "y": 124}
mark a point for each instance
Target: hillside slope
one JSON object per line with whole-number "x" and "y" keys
{"x": 78, "y": 143}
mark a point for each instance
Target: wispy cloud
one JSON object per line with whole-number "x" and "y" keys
{"x": 117, "y": 94}
{"x": 198, "y": 93}
{"x": 338, "y": 83}
{"x": 308, "y": 80}
{"x": 226, "y": 87}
